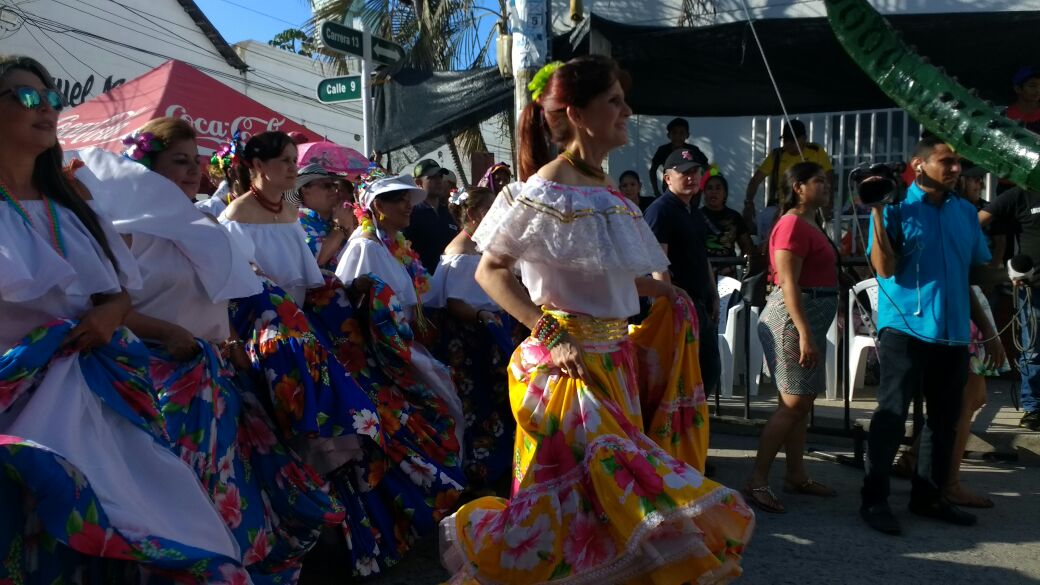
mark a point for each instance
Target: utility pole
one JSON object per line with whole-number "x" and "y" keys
{"x": 532, "y": 37}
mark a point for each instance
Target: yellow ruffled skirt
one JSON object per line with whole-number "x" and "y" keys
{"x": 596, "y": 497}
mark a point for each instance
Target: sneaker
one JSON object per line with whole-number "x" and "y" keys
{"x": 880, "y": 518}
{"x": 1031, "y": 421}
{"x": 941, "y": 509}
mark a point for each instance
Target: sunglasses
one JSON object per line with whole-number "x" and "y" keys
{"x": 31, "y": 99}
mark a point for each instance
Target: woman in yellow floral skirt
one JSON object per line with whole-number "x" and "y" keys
{"x": 601, "y": 493}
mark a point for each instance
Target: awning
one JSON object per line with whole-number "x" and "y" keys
{"x": 718, "y": 70}
{"x": 177, "y": 90}
{"x": 418, "y": 108}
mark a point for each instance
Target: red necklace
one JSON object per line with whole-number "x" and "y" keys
{"x": 275, "y": 208}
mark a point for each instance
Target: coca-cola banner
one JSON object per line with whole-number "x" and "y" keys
{"x": 177, "y": 90}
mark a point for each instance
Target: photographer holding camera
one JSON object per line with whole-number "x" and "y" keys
{"x": 1020, "y": 208}
{"x": 922, "y": 257}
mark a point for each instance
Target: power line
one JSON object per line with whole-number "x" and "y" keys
{"x": 301, "y": 97}
{"x": 276, "y": 89}
{"x": 255, "y": 11}
{"x": 193, "y": 28}
{"x": 63, "y": 29}
{"x": 190, "y": 46}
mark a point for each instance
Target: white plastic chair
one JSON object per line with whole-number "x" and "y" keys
{"x": 831, "y": 361}
{"x": 730, "y": 305}
{"x": 859, "y": 343}
{"x": 758, "y": 356}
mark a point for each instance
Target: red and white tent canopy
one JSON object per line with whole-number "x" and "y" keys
{"x": 177, "y": 90}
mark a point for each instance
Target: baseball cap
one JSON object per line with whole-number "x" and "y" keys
{"x": 678, "y": 122}
{"x": 450, "y": 176}
{"x": 427, "y": 167}
{"x": 681, "y": 160}
{"x": 793, "y": 129}
{"x": 1024, "y": 74}
{"x": 389, "y": 185}
{"x": 307, "y": 174}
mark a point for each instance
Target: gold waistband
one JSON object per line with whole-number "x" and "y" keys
{"x": 590, "y": 329}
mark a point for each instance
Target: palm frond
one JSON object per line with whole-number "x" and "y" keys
{"x": 697, "y": 12}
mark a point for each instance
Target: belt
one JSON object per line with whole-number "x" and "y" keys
{"x": 820, "y": 292}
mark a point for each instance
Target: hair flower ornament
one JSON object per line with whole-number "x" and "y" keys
{"x": 140, "y": 147}
{"x": 458, "y": 196}
{"x": 227, "y": 156}
{"x": 541, "y": 79}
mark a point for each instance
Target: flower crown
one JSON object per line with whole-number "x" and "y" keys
{"x": 364, "y": 182}
{"x": 227, "y": 156}
{"x": 142, "y": 146}
{"x": 541, "y": 79}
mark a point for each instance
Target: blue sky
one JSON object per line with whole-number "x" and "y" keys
{"x": 258, "y": 20}
{"x": 261, "y": 20}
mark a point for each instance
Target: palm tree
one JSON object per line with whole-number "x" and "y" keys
{"x": 436, "y": 35}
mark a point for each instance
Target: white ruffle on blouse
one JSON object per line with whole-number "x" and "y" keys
{"x": 281, "y": 252}
{"x": 173, "y": 292}
{"x": 455, "y": 278}
{"x": 213, "y": 207}
{"x": 363, "y": 256}
{"x": 37, "y": 284}
{"x": 140, "y": 202}
{"x": 579, "y": 249}
{"x": 144, "y": 486}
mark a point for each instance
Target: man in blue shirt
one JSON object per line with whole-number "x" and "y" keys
{"x": 922, "y": 257}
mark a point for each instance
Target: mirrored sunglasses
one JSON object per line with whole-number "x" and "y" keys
{"x": 31, "y": 99}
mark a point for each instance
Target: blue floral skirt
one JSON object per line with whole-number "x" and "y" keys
{"x": 478, "y": 356}
{"x": 418, "y": 474}
{"x": 54, "y": 526}
{"x": 392, "y": 486}
{"x": 274, "y": 504}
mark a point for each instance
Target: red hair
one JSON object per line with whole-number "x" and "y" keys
{"x": 544, "y": 123}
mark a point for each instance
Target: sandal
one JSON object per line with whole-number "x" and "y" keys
{"x": 758, "y": 497}
{"x": 809, "y": 487}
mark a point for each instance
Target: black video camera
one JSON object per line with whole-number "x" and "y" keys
{"x": 876, "y": 184}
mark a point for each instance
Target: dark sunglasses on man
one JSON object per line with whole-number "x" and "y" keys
{"x": 31, "y": 99}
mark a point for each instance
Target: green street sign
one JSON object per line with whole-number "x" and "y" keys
{"x": 339, "y": 89}
{"x": 386, "y": 52}
{"x": 342, "y": 38}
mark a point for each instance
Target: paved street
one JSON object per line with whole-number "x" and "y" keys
{"x": 824, "y": 541}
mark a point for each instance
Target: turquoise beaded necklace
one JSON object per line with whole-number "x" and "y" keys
{"x": 52, "y": 215}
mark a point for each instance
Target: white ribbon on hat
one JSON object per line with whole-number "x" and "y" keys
{"x": 458, "y": 197}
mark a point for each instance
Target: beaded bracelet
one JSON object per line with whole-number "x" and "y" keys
{"x": 549, "y": 331}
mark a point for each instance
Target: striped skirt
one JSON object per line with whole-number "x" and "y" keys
{"x": 780, "y": 342}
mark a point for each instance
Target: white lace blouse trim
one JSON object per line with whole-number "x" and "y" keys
{"x": 591, "y": 229}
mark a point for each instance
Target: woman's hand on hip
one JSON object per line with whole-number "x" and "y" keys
{"x": 569, "y": 357}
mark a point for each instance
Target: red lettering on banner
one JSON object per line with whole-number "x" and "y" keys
{"x": 214, "y": 133}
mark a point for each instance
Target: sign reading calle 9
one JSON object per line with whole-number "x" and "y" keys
{"x": 344, "y": 39}
{"x": 339, "y": 89}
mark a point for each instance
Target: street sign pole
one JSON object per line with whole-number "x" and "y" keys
{"x": 366, "y": 72}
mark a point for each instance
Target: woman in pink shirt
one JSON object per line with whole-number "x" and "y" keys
{"x": 793, "y": 330}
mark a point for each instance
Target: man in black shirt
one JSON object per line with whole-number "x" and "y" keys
{"x": 678, "y": 133}
{"x": 432, "y": 227}
{"x": 1022, "y": 207}
{"x": 682, "y": 232}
